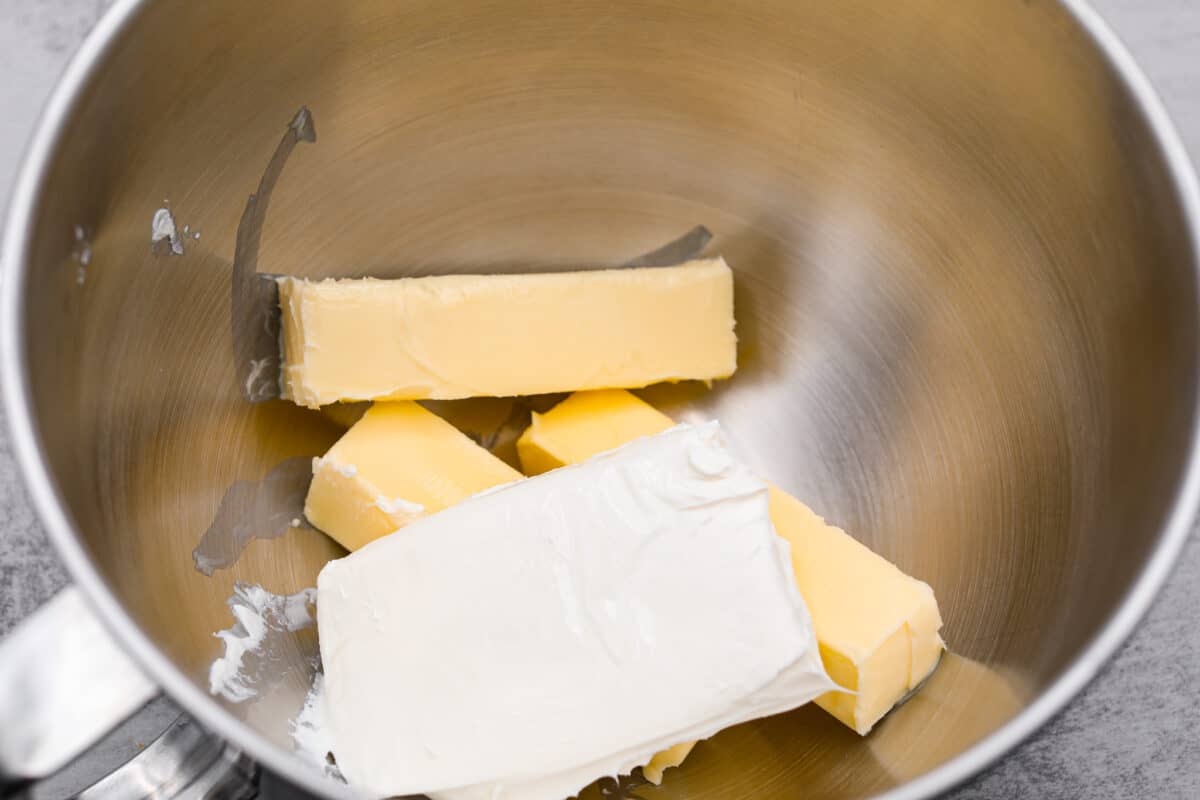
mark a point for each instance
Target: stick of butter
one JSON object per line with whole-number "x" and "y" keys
{"x": 398, "y": 462}
{"x": 877, "y": 627}
{"x": 455, "y": 336}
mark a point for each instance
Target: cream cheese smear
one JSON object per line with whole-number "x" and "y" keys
{"x": 543, "y": 634}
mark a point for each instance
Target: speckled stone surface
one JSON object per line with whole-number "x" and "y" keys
{"x": 29, "y": 571}
{"x": 1135, "y": 732}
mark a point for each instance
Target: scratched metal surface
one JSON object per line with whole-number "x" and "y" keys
{"x": 1133, "y": 732}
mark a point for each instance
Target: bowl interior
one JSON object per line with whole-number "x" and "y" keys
{"x": 965, "y": 295}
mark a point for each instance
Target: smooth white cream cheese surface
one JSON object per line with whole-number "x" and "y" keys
{"x": 549, "y": 632}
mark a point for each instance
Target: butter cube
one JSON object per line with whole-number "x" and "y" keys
{"x": 456, "y": 336}
{"x": 878, "y": 628}
{"x": 398, "y": 462}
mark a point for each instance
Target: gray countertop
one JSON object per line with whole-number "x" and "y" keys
{"x": 1135, "y": 731}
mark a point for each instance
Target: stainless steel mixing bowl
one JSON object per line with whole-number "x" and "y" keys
{"x": 965, "y": 240}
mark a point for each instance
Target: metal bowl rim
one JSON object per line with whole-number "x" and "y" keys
{"x": 62, "y": 532}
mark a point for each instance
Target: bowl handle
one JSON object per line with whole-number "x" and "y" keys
{"x": 64, "y": 683}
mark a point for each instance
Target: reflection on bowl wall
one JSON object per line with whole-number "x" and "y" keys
{"x": 966, "y": 294}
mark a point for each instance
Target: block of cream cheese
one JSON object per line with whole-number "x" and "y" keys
{"x": 878, "y": 628}
{"x": 536, "y": 637}
{"x": 398, "y": 462}
{"x": 456, "y": 336}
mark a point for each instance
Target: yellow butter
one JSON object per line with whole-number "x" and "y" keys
{"x": 398, "y": 462}
{"x": 664, "y": 760}
{"x": 455, "y": 336}
{"x": 877, "y": 627}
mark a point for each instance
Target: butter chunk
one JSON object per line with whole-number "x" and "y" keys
{"x": 455, "y": 336}
{"x": 398, "y": 462}
{"x": 877, "y": 627}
